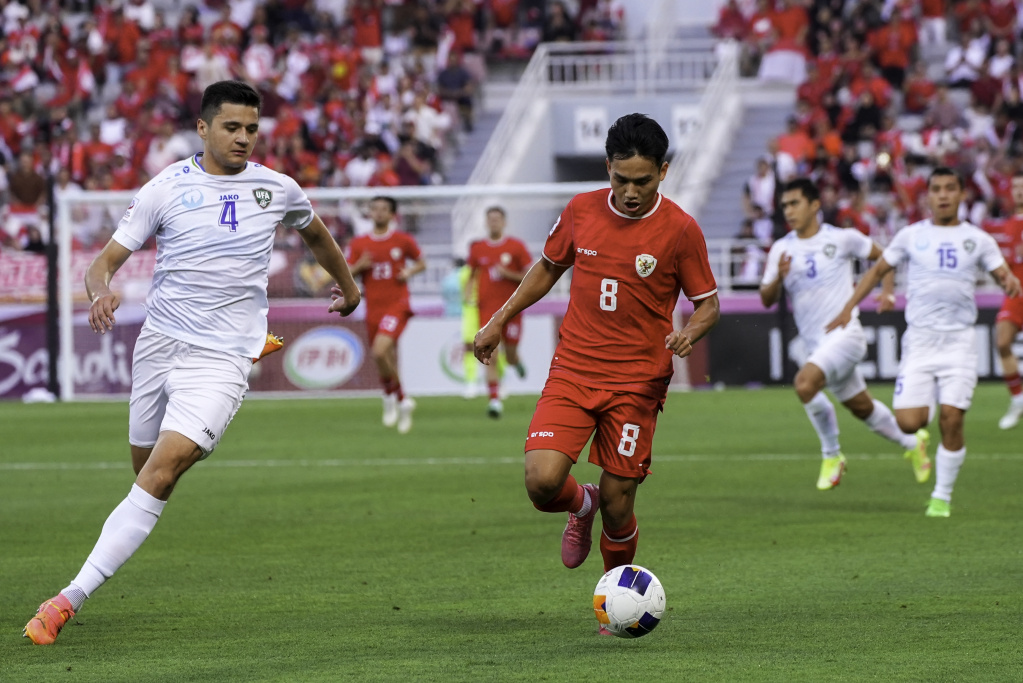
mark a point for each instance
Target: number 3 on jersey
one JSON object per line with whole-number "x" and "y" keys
{"x": 228, "y": 216}
{"x": 608, "y": 294}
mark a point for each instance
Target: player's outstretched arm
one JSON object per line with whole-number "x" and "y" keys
{"x": 886, "y": 299}
{"x": 705, "y": 316}
{"x": 97, "y": 285}
{"x": 538, "y": 281}
{"x": 866, "y": 284}
{"x": 1007, "y": 281}
{"x": 328, "y": 254}
{"x": 770, "y": 293}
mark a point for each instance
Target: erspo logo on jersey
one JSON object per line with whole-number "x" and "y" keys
{"x": 323, "y": 358}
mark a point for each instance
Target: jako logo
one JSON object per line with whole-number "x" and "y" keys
{"x": 587, "y": 252}
{"x": 323, "y": 358}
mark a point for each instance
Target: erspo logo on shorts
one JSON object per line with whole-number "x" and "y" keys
{"x": 323, "y": 358}
{"x": 541, "y": 435}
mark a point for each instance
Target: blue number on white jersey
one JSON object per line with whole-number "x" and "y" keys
{"x": 228, "y": 216}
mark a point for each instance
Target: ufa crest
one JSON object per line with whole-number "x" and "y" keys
{"x": 645, "y": 264}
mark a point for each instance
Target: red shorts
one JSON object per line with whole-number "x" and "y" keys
{"x": 622, "y": 425}
{"x": 390, "y": 323}
{"x": 1012, "y": 310}
{"x": 511, "y": 332}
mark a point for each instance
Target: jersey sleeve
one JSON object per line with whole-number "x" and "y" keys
{"x": 771, "y": 267}
{"x": 474, "y": 256}
{"x": 412, "y": 250}
{"x": 856, "y": 243}
{"x": 694, "y": 264}
{"x": 353, "y": 251}
{"x": 560, "y": 248}
{"x": 897, "y": 250}
{"x": 990, "y": 253}
{"x": 141, "y": 219}
{"x": 298, "y": 211}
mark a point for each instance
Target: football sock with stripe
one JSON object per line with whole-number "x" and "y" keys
{"x": 618, "y": 546}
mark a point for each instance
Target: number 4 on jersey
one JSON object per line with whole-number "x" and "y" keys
{"x": 228, "y": 216}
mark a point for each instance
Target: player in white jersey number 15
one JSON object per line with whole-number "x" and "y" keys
{"x": 944, "y": 256}
{"x": 814, "y": 263}
{"x": 214, "y": 217}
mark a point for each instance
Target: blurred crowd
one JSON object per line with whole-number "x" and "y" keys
{"x": 887, "y": 89}
{"x": 104, "y": 94}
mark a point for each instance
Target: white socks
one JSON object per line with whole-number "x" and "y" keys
{"x": 822, "y": 416}
{"x": 882, "y": 421}
{"x": 946, "y": 466}
{"x": 123, "y": 532}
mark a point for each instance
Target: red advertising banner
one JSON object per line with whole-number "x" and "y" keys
{"x": 23, "y": 275}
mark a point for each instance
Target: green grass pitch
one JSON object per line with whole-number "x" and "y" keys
{"x": 315, "y": 545}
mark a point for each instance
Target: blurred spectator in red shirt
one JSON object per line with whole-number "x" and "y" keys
{"x": 919, "y": 89}
{"x": 365, "y": 17}
{"x": 731, "y": 23}
{"x": 933, "y": 25}
{"x": 892, "y": 45}
{"x": 1000, "y": 19}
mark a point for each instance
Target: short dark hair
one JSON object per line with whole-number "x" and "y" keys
{"x": 497, "y": 209}
{"x": 390, "y": 201}
{"x": 945, "y": 171}
{"x": 804, "y": 185}
{"x": 636, "y": 135}
{"x": 227, "y": 92}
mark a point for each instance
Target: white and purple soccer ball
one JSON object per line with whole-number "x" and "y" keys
{"x": 629, "y": 601}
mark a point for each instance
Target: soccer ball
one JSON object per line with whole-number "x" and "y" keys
{"x": 629, "y": 601}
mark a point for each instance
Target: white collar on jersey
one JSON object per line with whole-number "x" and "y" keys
{"x": 381, "y": 236}
{"x": 197, "y": 162}
{"x": 611, "y": 205}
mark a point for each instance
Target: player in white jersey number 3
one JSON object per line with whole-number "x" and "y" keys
{"x": 939, "y": 351}
{"x": 214, "y": 217}
{"x": 814, "y": 263}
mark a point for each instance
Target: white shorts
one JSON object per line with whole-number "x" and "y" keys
{"x": 179, "y": 387}
{"x": 936, "y": 366}
{"x": 838, "y": 354}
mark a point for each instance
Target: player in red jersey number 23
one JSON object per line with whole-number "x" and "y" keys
{"x": 633, "y": 251}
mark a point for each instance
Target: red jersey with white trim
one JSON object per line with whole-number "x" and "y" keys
{"x": 628, "y": 276}
{"x": 485, "y": 257}
{"x": 1010, "y": 241}
{"x": 390, "y": 254}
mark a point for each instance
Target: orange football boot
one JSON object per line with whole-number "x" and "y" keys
{"x": 42, "y": 629}
{"x": 273, "y": 343}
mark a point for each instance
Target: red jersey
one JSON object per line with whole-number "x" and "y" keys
{"x": 627, "y": 279}
{"x": 389, "y": 253}
{"x": 485, "y": 256}
{"x": 1009, "y": 235}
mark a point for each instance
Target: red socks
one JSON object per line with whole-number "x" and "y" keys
{"x": 392, "y": 385}
{"x": 569, "y": 498}
{"x": 618, "y": 546}
{"x": 493, "y": 387}
{"x": 1015, "y": 384}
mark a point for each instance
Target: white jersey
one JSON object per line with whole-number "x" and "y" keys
{"x": 214, "y": 235}
{"x": 820, "y": 278}
{"x": 944, "y": 264}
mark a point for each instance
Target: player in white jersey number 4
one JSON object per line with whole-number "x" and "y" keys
{"x": 814, "y": 263}
{"x": 214, "y": 217}
{"x": 939, "y": 349}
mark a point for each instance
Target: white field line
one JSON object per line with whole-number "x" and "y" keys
{"x": 411, "y": 462}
